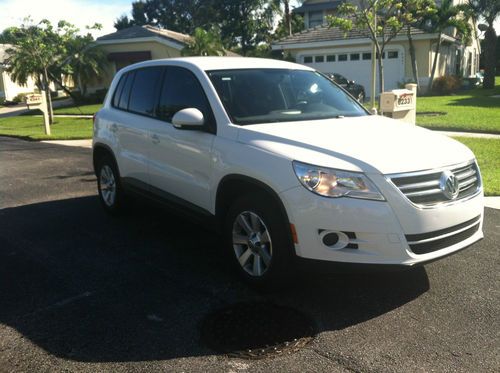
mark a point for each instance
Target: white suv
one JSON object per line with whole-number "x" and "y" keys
{"x": 285, "y": 163}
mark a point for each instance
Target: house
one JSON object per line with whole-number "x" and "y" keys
{"x": 136, "y": 44}
{"x": 331, "y": 50}
{"x": 8, "y": 88}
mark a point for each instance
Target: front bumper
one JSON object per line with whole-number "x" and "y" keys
{"x": 381, "y": 232}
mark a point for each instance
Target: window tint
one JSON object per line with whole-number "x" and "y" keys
{"x": 308, "y": 59}
{"x": 330, "y": 58}
{"x": 319, "y": 59}
{"x": 182, "y": 90}
{"x": 118, "y": 90}
{"x": 124, "y": 97}
{"x": 143, "y": 93}
{"x": 392, "y": 54}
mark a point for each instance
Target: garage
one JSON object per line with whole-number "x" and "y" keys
{"x": 356, "y": 65}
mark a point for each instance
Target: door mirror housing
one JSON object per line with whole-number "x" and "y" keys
{"x": 190, "y": 118}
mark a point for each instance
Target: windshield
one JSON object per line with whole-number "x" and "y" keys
{"x": 253, "y": 96}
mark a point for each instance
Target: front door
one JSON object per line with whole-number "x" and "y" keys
{"x": 180, "y": 160}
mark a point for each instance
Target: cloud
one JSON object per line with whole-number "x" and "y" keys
{"x": 78, "y": 12}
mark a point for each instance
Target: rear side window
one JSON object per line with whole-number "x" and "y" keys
{"x": 143, "y": 92}
{"x": 182, "y": 90}
{"x": 125, "y": 94}
{"x": 118, "y": 90}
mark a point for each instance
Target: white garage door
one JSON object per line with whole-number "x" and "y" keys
{"x": 356, "y": 65}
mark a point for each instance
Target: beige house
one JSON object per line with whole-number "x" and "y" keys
{"x": 8, "y": 88}
{"x": 136, "y": 44}
{"x": 330, "y": 50}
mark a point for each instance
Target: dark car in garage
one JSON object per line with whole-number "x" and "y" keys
{"x": 356, "y": 90}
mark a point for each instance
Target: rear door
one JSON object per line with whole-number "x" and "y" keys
{"x": 135, "y": 104}
{"x": 180, "y": 159}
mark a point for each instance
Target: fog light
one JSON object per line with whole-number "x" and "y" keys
{"x": 330, "y": 239}
{"x": 334, "y": 239}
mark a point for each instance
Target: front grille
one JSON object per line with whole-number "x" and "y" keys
{"x": 422, "y": 188}
{"x": 425, "y": 243}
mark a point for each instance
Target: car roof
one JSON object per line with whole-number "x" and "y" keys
{"x": 222, "y": 63}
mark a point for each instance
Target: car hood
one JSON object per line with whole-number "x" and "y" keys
{"x": 370, "y": 144}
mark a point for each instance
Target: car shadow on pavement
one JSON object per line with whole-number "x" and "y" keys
{"x": 87, "y": 287}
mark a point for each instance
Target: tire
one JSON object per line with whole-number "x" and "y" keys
{"x": 109, "y": 187}
{"x": 259, "y": 241}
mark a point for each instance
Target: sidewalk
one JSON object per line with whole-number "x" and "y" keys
{"x": 469, "y": 134}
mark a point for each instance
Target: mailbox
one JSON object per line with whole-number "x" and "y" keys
{"x": 34, "y": 100}
{"x": 400, "y": 103}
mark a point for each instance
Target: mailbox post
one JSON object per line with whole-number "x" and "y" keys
{"x": 38, "y": 101}
{"x": 400, "y": 103}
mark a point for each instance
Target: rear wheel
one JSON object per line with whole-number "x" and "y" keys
{"x": 259, "y": 241}
{"x": 109, "y": 186}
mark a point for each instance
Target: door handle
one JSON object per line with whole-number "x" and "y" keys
{"x": 113, "y": 127}
{"x": 155, "y": 139}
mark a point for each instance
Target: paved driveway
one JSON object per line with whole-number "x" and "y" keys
{"x": 80, "y": 291}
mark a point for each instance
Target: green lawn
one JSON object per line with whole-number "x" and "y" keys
{"x": 487, "y": 152}
{"x": 471, "y": 111}
{"x": 70, "y": 110}
{"x": 78, "y": 110}
{"x": 32, "y": 128}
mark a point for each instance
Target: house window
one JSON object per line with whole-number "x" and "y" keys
{"x": 342, "y": 57}
{"x": 330, "y": 58}
{"x": 367, "y": 56}
{"x": 354, "y": 56}
{"x": 319, "y": 59}
{"x": 315, "y": 19}
{"x": 392, "y": 54}
{"x": 308, "y": 59}
{"x": 383, "y": 55}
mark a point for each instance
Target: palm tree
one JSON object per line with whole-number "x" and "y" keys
{"x": 204, "y": 43}
{"x": 489, "y": 11}
{"x": 86, "y": 61}
{"x": 446, "y": 16}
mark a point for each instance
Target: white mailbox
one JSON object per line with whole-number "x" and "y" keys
{"x": 400, "y": 103}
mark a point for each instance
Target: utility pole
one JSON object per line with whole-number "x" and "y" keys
{"x": 373, "y": 109}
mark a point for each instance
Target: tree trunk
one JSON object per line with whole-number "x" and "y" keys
{"x": 434, "y": 64}
{"x": 47, "y": 96}
{"x": 288, "y": 17}
{"x": 490, "y": 41}
{"x": 381, "y": 71}
{"x": 413, "y": 58}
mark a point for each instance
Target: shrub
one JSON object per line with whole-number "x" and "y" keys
{"x": 2, "y": 100}
{"x": 444, "y": 85}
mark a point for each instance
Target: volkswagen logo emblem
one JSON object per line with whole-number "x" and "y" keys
{"x": 448, "y": 183}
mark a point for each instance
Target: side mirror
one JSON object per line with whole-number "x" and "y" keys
{"x": 189, "y": 117}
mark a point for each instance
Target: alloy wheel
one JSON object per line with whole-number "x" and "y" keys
{"x": 252, "y": 243}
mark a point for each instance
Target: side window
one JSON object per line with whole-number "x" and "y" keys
{"x": 181, "y": 90}
{"x": 143, "y": 92}
{"x": 118, "y": 90}
{"x": 125, "y": 95}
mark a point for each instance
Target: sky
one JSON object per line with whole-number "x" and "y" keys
{"x": 78, "y": 12}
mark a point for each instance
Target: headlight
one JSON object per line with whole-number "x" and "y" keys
{"x": 333, "y": 183}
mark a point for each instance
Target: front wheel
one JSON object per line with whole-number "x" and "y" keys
{"x": 259, "y": 241}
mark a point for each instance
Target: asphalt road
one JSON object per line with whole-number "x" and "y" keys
{"x": 80, "y": 291}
